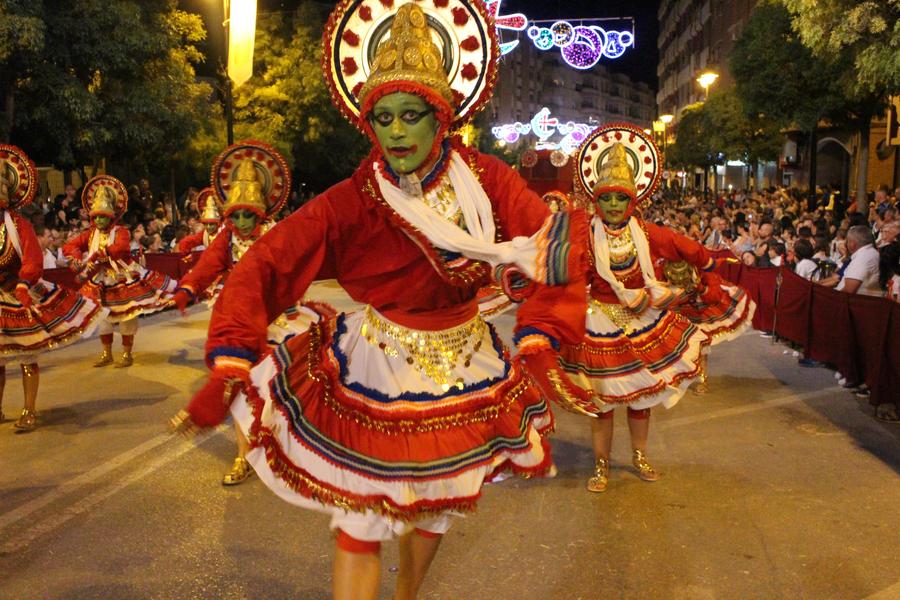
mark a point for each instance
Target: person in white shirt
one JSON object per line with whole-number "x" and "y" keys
{"x": 806, "y": 266}
{"x": 861, "y": 275}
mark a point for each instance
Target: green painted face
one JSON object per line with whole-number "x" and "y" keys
{"x": 211, "y": 228}
{"x": 244, "y": 222}
{"x": 405, "y": 126}
{"x": 102, "y": 222}
{"x": 613, "y": 205}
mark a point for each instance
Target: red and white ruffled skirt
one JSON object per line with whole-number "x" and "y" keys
{"x": 635, "y": 360}
{"x": 357, "y": 419}
{"x": 57, "y": 317}
{"x": 129, "y": 290}
{"x": 723, "y": 315}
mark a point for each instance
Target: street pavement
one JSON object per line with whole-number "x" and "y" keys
{"x": 776, "y": 484}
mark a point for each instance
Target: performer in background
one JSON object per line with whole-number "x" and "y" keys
{"x": 251, "y": 195}
{"x": 636, "y": 353}
{"x": 101, "y": 257}
{"x": 35, "y": 315}
{"x": 391, "y": 419}
{"x": 210, "y": 217}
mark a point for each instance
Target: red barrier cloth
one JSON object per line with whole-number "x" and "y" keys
{"x": 869, "y": 319}
{"x": 794, "y": 301}
{"x": 887, "y": 387}
{"x": 173, "y": 264}
{"x": 831, "y": 339}
{"x": 62, "y": 277}
{"x": 760, "y": 285}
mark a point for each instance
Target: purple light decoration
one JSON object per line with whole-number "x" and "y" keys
{"x": 586, "y": 50}
{"x": 581, "y": 46}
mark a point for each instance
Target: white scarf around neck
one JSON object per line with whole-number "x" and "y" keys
{"x": 659, "y": 294}
{"x": 527, "y": 253}
{"x": 12, "y": 232}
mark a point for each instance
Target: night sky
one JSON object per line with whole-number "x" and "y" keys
{"x": 639, "y": 62}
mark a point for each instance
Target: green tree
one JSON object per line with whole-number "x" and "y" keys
{"x": 739, "y": 135}
{"x": 21, "y": 39}
{"x": 861, "y": 41}
{"x": 692, "y": 140}
{"x": 287, "y": 102}
{"x": 868, "y": 31}
{"x": 116, "y": 82}
{"x": 777, "y": 76}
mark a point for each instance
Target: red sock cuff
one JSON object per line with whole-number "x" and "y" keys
{"x": 427, "y": 534}
{"x": 348, "y": 543}
{"x": 106, "y": 339}
{"x": 128, "y": 340}
{"x": 640, "y": 415}
{"x": 606, "y": 416}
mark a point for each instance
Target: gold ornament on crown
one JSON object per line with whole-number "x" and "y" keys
{"x": 104, "y": 201}
{"x": 210, "y": 213}
{"x": 409, "y": 55}
{"x": 246, "y": 189}
{"x": 5, "y": 183}
{"x": 616, "y": 172}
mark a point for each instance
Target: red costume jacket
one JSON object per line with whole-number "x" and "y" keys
{"x": 350, "y": 233}
{"x": 664, "y": 244}
{"x": 189, "y": 242}
{"x": 120, "y": 249}
{"x": 215, "y": 262}
{"x": 30, "y": 266}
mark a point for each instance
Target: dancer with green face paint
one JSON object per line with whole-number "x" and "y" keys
{"x": 391, "y": 419}
{"x": 101, "y": 257}
{"x": 251, "y": 181}
{"x": 636, "y": 352}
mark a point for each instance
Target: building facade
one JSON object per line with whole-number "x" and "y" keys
{"x": 695, "y": 36}
{"x": 531, "y": 79}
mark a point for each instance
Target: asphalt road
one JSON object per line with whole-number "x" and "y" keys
{"x": 776, "y": 484}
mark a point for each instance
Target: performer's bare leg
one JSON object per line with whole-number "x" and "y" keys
{"x": 417, "y": 550}
{"x": 601, "y": 440}
{"x": 639, "y": 426}
{"x": 241, "y": 469}
{"x": 357, "y": 569}
{"x": 30, "y": 380}
{"x": 128, "y": 329}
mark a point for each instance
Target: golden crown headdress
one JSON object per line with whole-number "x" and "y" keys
{"x": 246, "y": 189}
{"x": 210, "y": 213}
{"x": 616, "y": 172}
{"x": 103, "y": 202}
{"x": 409, "y": 55}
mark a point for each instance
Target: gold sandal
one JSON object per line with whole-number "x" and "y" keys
{"x": 644, "y": 469}
{"x": 27, "y": 421}
{"x": 127, "y": 360}
{"x": 105, "y": 359}
{"x": 597, "y": 482}
{"x": 240, "y": 472}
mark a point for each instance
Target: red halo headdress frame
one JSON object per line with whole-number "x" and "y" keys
{"x": 269, "y": 163}
{"x": 119, "y": 192}
{"x": 463, "y": 30}
{"x": 22, "y": 173}
{"x": 640, "y": 148}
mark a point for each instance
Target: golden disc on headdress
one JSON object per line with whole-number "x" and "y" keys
{"x": 18, "y": 176}
{"x": 251, "y": 174}
{"x": 632, "y": 156}
{"x": 105, "y": 195}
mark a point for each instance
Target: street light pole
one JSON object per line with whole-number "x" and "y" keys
{"x": 706, "y": 79}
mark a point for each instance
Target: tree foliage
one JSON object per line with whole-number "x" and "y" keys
{"x": 738, "y": 134}
{"x": 108, "y": 80}
{"x": 777, "y": 76}
{"x": 287, "y": 102}
{"x": 692, "y": 143}
{"x": 867, "y": 32}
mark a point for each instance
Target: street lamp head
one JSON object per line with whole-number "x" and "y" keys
{"x": 707, "y": 78}
{"x": 666, "y": 119}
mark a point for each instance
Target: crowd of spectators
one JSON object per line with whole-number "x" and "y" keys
{"x": 853, "y": 248}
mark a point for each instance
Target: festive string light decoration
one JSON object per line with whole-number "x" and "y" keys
{"x": 545, "y": 127}
{"x": 581, "y": 46}
{"x": 514, "y": 22}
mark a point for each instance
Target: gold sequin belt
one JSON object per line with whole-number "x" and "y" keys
{"x": 434, "y": 354}
{"x": 618, "y": 314}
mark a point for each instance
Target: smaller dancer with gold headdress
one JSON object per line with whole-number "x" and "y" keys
{"x": 35, "y": 315}
{"x": 251, "y": 194}
{"x": 637, "y": 352}
{"x": 210, "y": 217}
{"x": 101, "y": 256}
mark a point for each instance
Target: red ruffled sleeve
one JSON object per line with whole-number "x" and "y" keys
{"x": 555, "y": 310}
{"x": 189, "y": 242}
{"x": 273, "y": 275}
{"x": 78, "y": 245}
{"x": 674, "y": 246}
{"x": 215, "y": 261}
{"x": 32, "y": 256}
